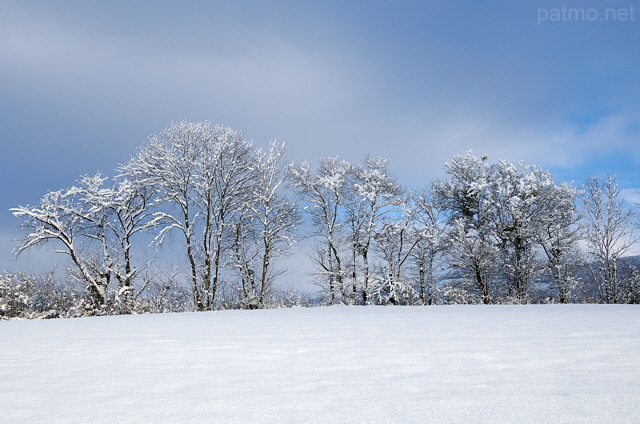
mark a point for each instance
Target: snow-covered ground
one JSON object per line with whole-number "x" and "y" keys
{"x": 487, "y": 364}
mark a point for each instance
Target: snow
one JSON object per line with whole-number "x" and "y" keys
{"x": 474, "y": 364}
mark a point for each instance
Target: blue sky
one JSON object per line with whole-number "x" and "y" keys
{"x": 83, "y": 83}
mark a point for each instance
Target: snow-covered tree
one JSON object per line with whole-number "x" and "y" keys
{"x": 524, "y": 204}
{"x": 465, "y": 199}
{"x": 394, "y": 241}
{"x": 167, "y": 163}
{"x": 70, "y": 221}
{"x": 473, "y": 259}
{"x": 630, "y": 290}
{"x": 93, "y": 224}
{"x": 224, "y": 185}
{"x": 609, "y": 233}
{"x": 14, "y": 299}
{"x": 500, "y": 215}
{"x": 386, "y": 290}
{"x": 324, "y": 195}
{"x": 117, "y": 213}
{"x": 133, "y": 212}
{"x": 36, "y": 296}
{"x": 560, "y": 238}
{"x": 203, "y": 176}
{"x": 430, "y": 243}
{"x": 266, "y": 228}
{"x": 372, "y": 195}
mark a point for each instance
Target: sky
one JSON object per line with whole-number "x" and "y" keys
{"x": 554, "y": 83}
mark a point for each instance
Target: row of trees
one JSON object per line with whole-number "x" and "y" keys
{"x": 487, "y": 233}
{"x": 226, "y": 214}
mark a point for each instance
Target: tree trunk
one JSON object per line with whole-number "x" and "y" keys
{"x": 265, "y": 269}
{"x": 365, "y": 286}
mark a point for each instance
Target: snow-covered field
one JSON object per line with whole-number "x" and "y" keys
{"x": 488, "y": 364}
